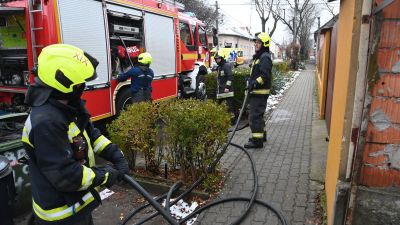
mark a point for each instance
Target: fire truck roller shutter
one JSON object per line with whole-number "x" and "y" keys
{"x": 82, "y": 25}
{"x": 160, "y": 43}
{"x": 125, "y": 10}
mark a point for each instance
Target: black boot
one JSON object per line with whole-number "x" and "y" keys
{"x": 264, "y": 137}
{"x": 254, "y": 143}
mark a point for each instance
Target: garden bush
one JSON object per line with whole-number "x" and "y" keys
{"x": 195, "y": 131}
{"x": 136, "y": 130}
{"x": 189, "y": 132}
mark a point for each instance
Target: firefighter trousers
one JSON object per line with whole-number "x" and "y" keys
{"x": 258, "y": 105}
{"x": 143, "y": 95}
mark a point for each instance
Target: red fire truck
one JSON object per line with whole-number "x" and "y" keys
{"x": 113, "y": 31}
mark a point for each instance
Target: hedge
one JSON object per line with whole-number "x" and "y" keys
{"x": 280, "y": 76}
{"x": 185, "y": 133}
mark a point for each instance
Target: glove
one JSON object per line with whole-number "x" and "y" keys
{"x": 110, "y": 179}
{"x": 251, "y": 84}
{"x": 122, "y": 166}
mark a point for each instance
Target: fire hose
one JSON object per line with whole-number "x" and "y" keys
{"x": 165, "y": 211}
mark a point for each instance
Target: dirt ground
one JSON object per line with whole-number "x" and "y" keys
{"x": 118, "y": 205}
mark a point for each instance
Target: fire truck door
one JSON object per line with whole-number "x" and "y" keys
{"x": 82, "y": 24}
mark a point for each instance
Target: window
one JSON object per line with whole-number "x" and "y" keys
{"x": 194, "y": 33}
{"x": 185, "y": 33}
{"x": 202, "y": 36}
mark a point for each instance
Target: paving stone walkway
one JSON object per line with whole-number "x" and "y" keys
{"x": 283, "y": 165}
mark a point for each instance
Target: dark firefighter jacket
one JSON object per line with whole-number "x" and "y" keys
{"x": 224, "y": 80}
{"x": 141, "y": 78}
{"x": 261, "y": 74}
{"x": 63, "y": 189}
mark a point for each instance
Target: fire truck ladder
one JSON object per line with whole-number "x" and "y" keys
{"x": 32, "y": 10}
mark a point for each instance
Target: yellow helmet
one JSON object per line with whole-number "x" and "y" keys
{"x": 220, "y": 54}
{"x": 264, "y": 38}
{"x": 63, "y": 66}
{"x": 145, "y": 58}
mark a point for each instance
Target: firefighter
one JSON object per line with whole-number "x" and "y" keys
{"x": 61, "y": 142}
{"x": 224, "y": 83}
{"x": 141, "y": 77}
{"x": 259, "y": 85}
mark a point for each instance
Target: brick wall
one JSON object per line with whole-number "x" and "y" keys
{"x": 381, "y": 155}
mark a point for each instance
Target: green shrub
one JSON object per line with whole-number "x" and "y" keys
{"x": 189, "y": 132}
{"x": 282, "y": 66}
{"x": 136, "y": 130}
{"x": 194, "y": 132}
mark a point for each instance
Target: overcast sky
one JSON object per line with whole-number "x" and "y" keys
{"x": 239, "y": 11}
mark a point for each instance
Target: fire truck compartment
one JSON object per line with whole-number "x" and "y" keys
{"x": 13, "y": 53}
{"x": 125, "y": 30}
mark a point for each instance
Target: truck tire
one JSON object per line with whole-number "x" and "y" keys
{"x": 124, "y": 98}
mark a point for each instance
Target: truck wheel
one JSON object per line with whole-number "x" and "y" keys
{"x": 124, "y": 98}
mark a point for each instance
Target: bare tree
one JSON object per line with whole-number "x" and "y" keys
{"x": 266, "y": 9}
{"x": 310, "y": 14}
{"x": 296, "y": 15}
{"x": 204, "y": 12}
{"x": 329, "y": 8}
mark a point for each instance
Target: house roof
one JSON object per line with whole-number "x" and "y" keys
{"x": 328, "y": 25}
{"x": 234, "y": 28}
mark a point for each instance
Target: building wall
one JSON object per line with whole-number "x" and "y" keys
{"x": 245, "y": 44}
{"x": 322, "y": 70}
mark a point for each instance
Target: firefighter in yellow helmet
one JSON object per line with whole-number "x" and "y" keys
{"x": 62, "y": 142}
{"x": 259, "y": 85}
{"x": 225, "y": 82}
{"x": 141, "y": 78}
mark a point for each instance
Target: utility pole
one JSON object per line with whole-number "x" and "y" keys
{"x": 216, "y": 25}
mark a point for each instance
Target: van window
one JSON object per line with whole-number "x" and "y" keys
{"x": 186, "y": 37}
{"x": 240, "y": 53}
